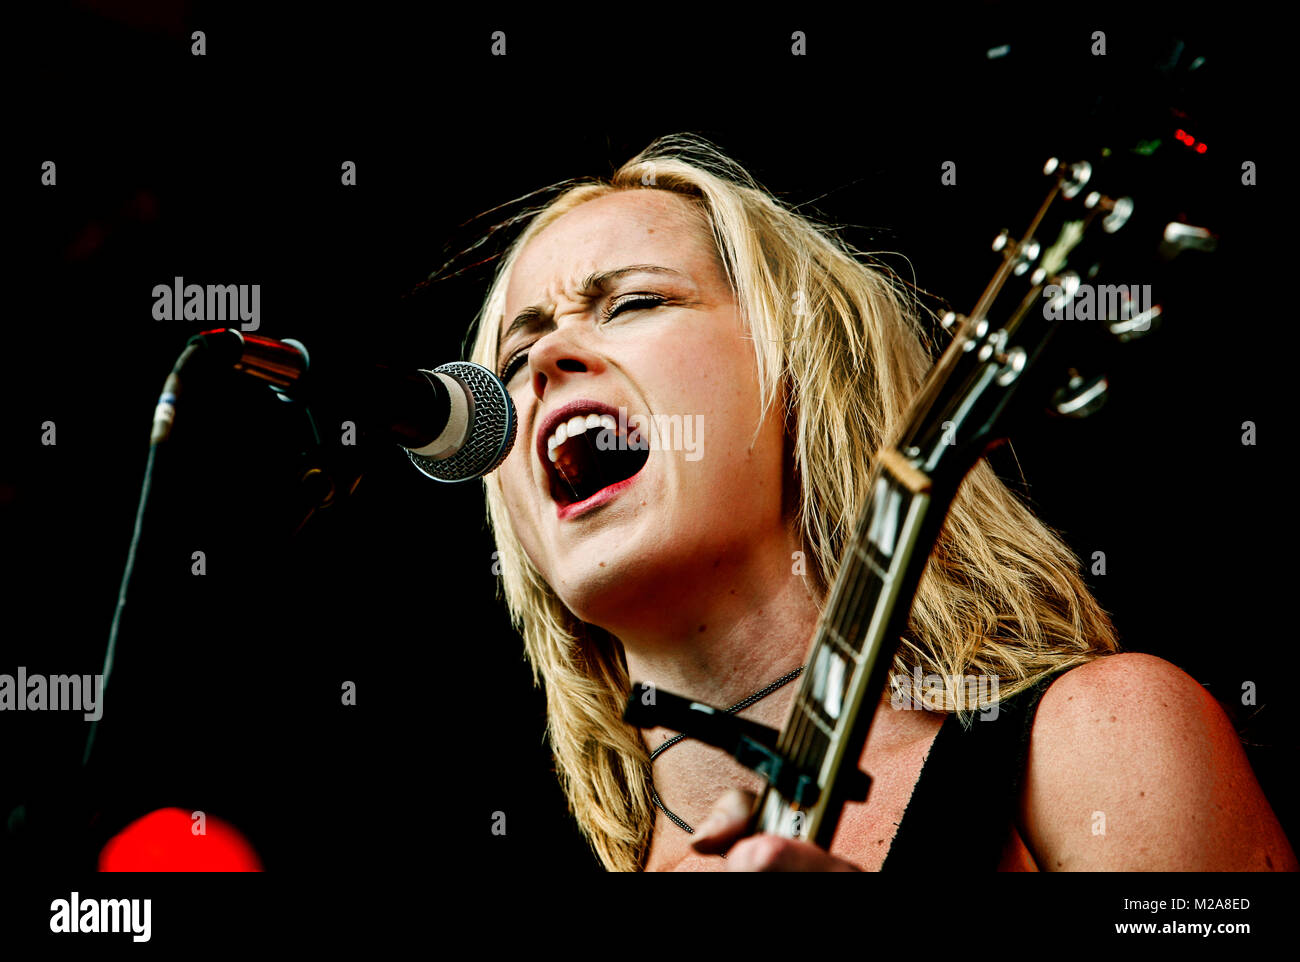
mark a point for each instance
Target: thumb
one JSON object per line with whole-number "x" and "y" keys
{"x": 727, "y": 824}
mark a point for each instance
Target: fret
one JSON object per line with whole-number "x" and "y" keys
{"x": 809, "y": 740}
{"x": 886, "y": 515}
{"x": 870, "y": 562}
{"x": 850, "y": 618}
{"x": 843, "y": 644}
{"x": 870, "y": 554}
{"x": 864, "y": 580}
{"x": 831, "y": 674}
{"x": 813, "y": 715}
{"x": 822, "y": 702}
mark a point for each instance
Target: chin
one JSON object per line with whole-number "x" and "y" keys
{"x": 629, "y": 581}
{"x": 602, "y": 588}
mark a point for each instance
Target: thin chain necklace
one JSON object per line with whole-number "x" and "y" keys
{"x": 739, "y": 706}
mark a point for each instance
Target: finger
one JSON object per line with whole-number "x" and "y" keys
{"x": 728, "y": 822}
{"x": 771, "y": 853}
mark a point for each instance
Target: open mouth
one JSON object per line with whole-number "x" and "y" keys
{"x": 590, "y": 452}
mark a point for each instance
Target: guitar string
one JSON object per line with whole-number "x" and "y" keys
{"x": 843, "y": 604}
{"x": 797, "y": 746}
{"x": 802, "y": 730}
{"x": 843, "y": 612}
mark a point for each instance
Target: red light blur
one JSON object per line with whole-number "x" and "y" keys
{"x": 163, "y": 842}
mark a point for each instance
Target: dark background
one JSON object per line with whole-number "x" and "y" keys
{"x": 226, "y": 169}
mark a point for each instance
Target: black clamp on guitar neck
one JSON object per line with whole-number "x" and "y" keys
{"x": 751, "y": 744}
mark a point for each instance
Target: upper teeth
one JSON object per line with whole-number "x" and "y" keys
{"x": 577, "y": 425}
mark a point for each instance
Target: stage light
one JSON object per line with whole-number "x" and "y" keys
{"x": 164, "y": 841}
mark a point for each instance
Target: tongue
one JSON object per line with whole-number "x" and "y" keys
{"x": 586, "y": 469}
{"x": 577, "y": 463}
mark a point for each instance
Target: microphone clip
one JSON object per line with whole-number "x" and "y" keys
{"x": 280, "y": 363}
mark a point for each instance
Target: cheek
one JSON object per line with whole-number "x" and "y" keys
{"x": 710, "y": 370}
{"x": 741, "y": 470}
{"x": 520, "y": 500}
{"x": 725, "y": 391}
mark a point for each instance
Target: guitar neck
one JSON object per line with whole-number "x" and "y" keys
{"x": 854, "y": 645}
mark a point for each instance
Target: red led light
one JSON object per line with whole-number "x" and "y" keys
{"x": 1201, "y": 148}
{"x": 1183, "y": 135}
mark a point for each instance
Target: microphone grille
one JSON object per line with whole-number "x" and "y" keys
{"x": 492, "y": 427}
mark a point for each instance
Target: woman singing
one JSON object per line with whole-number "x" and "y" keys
{"x": 698, "y": 556}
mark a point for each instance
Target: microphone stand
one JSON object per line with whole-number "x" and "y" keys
{"x": 63, "y": 817}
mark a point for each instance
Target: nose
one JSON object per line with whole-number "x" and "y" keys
{"x": 558, "y": 356}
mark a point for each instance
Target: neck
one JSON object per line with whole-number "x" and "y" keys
{"x": 750, "y": 629}
{"x": 751, "y": 625}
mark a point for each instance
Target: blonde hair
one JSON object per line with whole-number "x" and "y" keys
{"x": 1002, "y": 594}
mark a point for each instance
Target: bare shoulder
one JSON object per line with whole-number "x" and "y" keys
{"x": 1133, "y": 766}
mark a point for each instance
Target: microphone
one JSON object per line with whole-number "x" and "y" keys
{"x": 478, "y": 430}
{"x": 456, "y": 422}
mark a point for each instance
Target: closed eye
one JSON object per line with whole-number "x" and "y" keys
{"x": 634, "y": 300}
{"x": 513, "y": 365}
{"x": 610, "y": 311}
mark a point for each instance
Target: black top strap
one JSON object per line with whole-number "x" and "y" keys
{"x": 968, "y": 787}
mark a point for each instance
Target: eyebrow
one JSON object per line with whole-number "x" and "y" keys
{"x": 592, "y": 286}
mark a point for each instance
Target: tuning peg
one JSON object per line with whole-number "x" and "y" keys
{"x": 1081, "y": 395}
{"x": 1067, "y": 285}
{"x": 1180, "y": 237}
{"x": 955, "y": 323}
{"x": 1118, "y": 210}
{"x": 1026, "y": 254}
{"x": 1073, "y": 178}
{"x": 1140, "y": 325}
{"x": 1022, "y": 254}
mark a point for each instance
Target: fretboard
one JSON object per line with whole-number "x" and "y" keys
{"x": 853, "y": 645}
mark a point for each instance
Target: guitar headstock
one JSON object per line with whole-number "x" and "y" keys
{"x": 1071, "y": 282}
